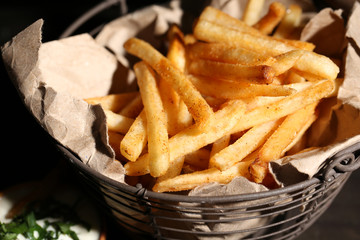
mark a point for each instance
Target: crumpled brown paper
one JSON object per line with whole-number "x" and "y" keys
{"x": 54, "y": 77}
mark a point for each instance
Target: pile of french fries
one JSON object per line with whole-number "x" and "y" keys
{"x": 225, "y": 100}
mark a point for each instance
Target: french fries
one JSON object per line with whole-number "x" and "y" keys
{"x": 225, "y": 101}
{"x": 196, "y": 104}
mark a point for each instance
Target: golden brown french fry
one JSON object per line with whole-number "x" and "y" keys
{"x": 158, "y": 145}
{"x": 246, "y": 144}
{"x": 275, "y": 147}
{"x": 133, "y": 108}
{"x": 299, "y": 142}
{"x": 286, "y": 61}
{"x": 197, "y": 106}
{"x": 113, "y": 102}
{"x": 268, "y": 23}
{"x": 318, "y": 66}
{"x": 227, "y": 53}
{"x": 135, "y": 140}
{"x": 253, "y": 11}
{"x": 117, "y": 122}
{"x": 212, "y": 14}
{"x": 176, "y": 52}
{"x": 229, "y": 71}
{"x": 114, "y": 141}
{"x": 219, "y": 145}
{"x": 198, "y": 158}
{"x": 289, "y": 23}
{"x": 173, "y": 171}
{"x": 191, "y": 180}
{"x": 237, "y": 89}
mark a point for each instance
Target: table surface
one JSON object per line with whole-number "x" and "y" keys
{"x": 30, "y": 154}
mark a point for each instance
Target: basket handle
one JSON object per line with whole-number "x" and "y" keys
{"x": 347, "y": 160}
{"x": 93, "y": 12}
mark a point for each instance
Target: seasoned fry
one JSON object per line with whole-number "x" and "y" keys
{"x": 227, "y": 53}
{"x": 173, "y": 171}
{"x": 268, "y": 23}
{"x": 290, "y": 22}
{"x": 117, "y": 122}
{"x": 113, "y": 102}
{"x": 252, "y": 11}
{"x": 158, "y": 145}
{"x": 237, "y": 89}
{"x": 219, "y": 145}
{"x": 197, "y": 106}
{"x": 199, "y": 158}
{"x": 133, "y": 108}
{"x": 135, "y": 140}
{"x": 212, "y": 14}
{"x": 114, "y": 141}
{"x": 259, "y": 73}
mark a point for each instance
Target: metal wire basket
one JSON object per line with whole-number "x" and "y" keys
{"x": 275, "y": 214}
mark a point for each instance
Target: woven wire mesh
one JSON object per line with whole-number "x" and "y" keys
{"x": 276, "y": 214}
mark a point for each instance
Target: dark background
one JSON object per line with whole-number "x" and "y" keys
{"x": 28, "y": 154}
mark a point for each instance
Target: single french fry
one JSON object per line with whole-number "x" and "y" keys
{"x": 113, "y": 102}
{"x": 158, "y": 145}
{"x": 135, "y": 139}
{"x": 276, "y": 146}
{"x": 227, "y": 53}
{"x": 319, "y": 66}
{"x": 199, "y": 158}
{"x": 247, "y": 143}
{"x": 114, "y": 141}
{"x": 197, "y": 106}
{"x": 229, "y": 71}
{"x": 212, "y": 14}
{"x": 176, "y": 52}
{"x": 299, "y": 142}
{"x": 191, "y": 180}
{"x": 133, "y": 108}
{"x": 293, "y": 77}
{"x": 253, "y": 11}
{"x": 237, "y": 89}
{"x": 219, "y": 145}
{"x": 117, "y": 123}
{"x": 173, "y": 171}
{"x": 289, "y": 23}
{"x": 286, "y": 61}
{"x": 268, "y": 23}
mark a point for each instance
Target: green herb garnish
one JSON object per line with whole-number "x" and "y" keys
{"x": 26, "y": 225}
